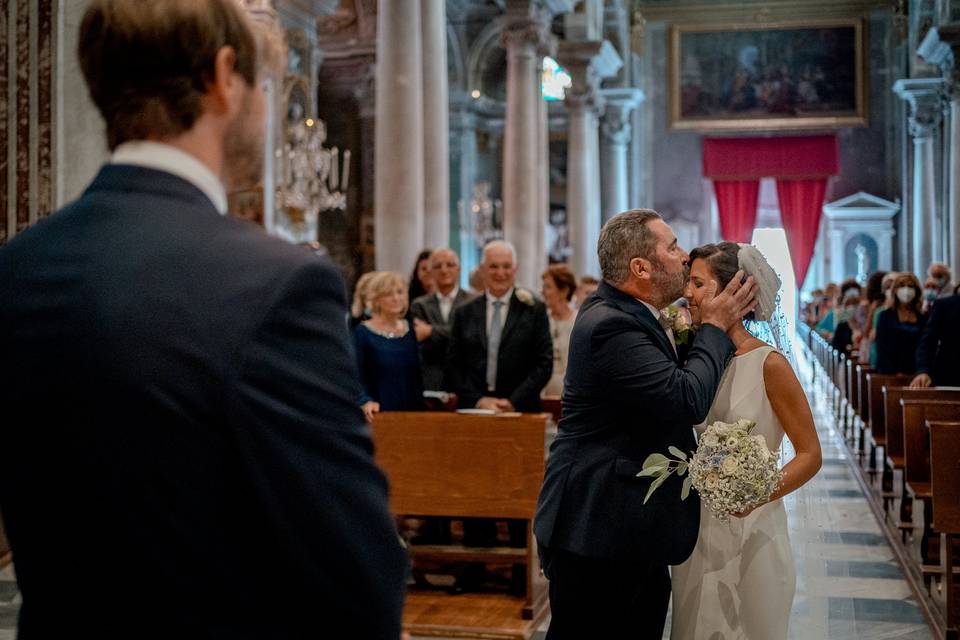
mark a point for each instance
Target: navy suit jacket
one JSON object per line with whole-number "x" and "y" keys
{"x": 625, "y": 396}
{"x": 938, "y": 353}
{"x": 190, "y": 460}
{"x": 524, "y": 360}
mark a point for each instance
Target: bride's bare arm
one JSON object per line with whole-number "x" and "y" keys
{"x": 790, "y": 404}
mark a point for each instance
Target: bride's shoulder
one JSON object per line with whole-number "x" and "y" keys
{"x": 777, "y": 371}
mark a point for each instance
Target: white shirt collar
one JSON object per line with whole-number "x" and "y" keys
{"x": 165, "y": 157}
{"x": 451, "y": 296}
{"x": 505, "y": 298}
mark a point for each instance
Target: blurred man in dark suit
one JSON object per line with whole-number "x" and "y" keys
{"x": 194, "y": 463}
{"x": 433, "y": 315}
{"x": 938, "y": 353}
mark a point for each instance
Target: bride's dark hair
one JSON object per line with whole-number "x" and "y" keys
{"x": 723, "y": 260}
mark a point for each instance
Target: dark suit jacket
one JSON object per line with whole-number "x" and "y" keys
{"x": 626, "y": 396}
{"x": 938, "y": 353}
{"x": 191, "y": 455}
{"x": 524, "y": 361}
{"x": 433, "y": 350}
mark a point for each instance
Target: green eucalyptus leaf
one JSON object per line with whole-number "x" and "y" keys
{"x": 652, "y": 471}
{"x": 656, "y": 460}
{"x": 680, "y": 454}
{"x": 653, "y": 486}
{"x": 681, "y": 468}
{"x": 685, "y": 490}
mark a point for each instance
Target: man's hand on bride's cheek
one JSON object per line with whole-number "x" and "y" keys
{"x": 736, "y": 300}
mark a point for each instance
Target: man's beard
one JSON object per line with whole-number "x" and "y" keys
{"x": 668, "y": 286}
{"x": 243, "y": 151}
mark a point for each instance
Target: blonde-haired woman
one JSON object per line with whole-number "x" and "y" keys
{"x": 386, "y": 347}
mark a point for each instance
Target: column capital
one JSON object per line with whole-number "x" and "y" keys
{"x": 618, "y": 104}
{"x": 588, "y": 63}
{"x": 925, "y": 97}
{"x": 526, "y": 23}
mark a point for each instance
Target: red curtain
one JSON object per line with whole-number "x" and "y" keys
{"x": 801, "y": 204}
{"x": 801, "y": 165}
{"x": 737, "y": 206}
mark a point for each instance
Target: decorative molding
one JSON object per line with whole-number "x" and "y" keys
{"x": 925, "y": 97}
{"x": 588, "y": 63}
{"x": 618, "y": 106}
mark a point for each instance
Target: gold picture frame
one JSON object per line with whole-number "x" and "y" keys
{"x": 785, "y": 75}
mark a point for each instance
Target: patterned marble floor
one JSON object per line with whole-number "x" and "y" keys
{"x": 849, "y": 586}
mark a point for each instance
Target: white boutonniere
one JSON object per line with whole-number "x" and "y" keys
{"x": 524, "y": 296}
{"x": 680, "y": 323}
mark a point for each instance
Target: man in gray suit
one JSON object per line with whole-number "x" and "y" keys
{"x": 434, "y": 313}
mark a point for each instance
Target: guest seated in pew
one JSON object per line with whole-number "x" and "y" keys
{"x": 386, "y": 350}
{"x": 845, "y": 335}
{"x": 874, "y": 297}
{"x": 899, "y": 328}
{"x": 938, "y": 354}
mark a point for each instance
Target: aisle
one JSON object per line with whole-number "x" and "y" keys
{"x": 849, "y": 585}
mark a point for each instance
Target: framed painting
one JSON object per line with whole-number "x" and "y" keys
{"x": 787, "y": 75}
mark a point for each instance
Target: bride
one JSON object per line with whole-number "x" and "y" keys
{"x": 740, "y": 581}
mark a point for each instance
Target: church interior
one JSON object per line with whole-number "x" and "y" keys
{"x": 825, "y": 132}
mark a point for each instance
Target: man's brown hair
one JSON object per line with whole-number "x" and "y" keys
{"x": 147, "y": 64}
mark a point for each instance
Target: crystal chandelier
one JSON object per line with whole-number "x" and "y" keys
{"x": 481, "y": 216}
{"x": 312, "y": 180}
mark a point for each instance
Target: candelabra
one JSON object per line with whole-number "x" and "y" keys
{"x": 312, "y": 179}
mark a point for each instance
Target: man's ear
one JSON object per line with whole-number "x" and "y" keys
{"x": 223, "y": 93}
{"x": 640, "y": 268}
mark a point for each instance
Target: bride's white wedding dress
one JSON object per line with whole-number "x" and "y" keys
{"x": 740, "y": 580}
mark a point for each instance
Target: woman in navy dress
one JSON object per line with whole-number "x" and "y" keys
{"x": 386, "y": 347}
{"x": 899, "y": 328}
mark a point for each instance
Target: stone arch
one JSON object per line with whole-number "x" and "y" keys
{"x": 486, "y": 59}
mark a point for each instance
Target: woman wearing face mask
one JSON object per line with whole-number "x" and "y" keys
{"x": 899, "y": 327}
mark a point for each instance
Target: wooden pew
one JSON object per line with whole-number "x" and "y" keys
{"x": 878, "y": 428}
{"x": 945, "y": 477}
{"x": 916, "y": 472}
{"x": 457, "y": 465}
{"x": 551, "y": 404}
{"x": 862, "y": 408}
{"x": 895, "y": 437}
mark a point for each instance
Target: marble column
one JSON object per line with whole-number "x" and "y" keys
{"x": 523, "y": 33}
{"x": 614, "y": 144}
{"x": 587, "y": 62}
{"x": 436, "y": 155}
{"x": 950, "y": 35}
{"x": 399, "y": 145}
{"x": 923, "y": 95}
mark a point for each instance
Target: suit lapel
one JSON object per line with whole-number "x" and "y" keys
{"x": 637, "y": 309}
{"x": 513, "y": 316}
{"x": 434, "y": 313}
{"x": 482, "y": 318}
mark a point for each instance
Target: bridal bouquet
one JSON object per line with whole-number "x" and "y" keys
{"x": 731, "y": 469}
